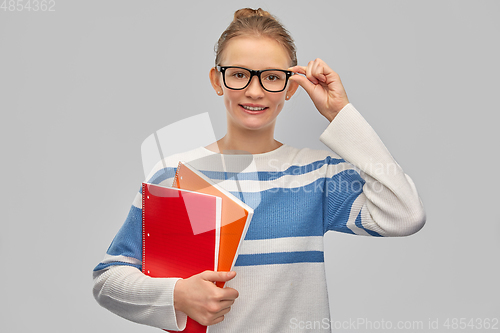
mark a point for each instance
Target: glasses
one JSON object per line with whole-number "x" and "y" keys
{"x": 238, "y": 78}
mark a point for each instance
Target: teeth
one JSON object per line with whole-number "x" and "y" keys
{"x": 252, "y": 108}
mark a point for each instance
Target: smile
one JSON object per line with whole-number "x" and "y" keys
{"x": 250, "y": 108}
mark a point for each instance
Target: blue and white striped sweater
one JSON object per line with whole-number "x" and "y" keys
{"x": 284, "y": 211}
{"x": 297, "y": 195}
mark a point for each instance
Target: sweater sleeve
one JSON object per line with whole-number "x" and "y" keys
{"x": 122, "y": 288}
{"x": 388, "y": 203}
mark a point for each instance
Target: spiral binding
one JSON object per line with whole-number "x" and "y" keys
{"x": 174, "y": 183}
{"x": 143, "y": 228}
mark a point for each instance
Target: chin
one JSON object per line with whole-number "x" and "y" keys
{"x": 255, "y": 124}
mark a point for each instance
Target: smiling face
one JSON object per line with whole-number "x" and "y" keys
{"x": 253, "y": 108}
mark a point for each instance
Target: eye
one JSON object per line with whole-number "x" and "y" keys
{"x": 239, "y": 75}
{"x": 274, "y": 76}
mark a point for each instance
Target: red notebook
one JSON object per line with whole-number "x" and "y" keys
{"x": 180, "y": 234}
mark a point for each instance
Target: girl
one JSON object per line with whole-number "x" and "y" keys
{"x": 279, "y": 276}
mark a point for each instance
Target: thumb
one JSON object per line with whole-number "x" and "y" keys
{"x": 303, "y": 82}
{"x": 218, "y": 276}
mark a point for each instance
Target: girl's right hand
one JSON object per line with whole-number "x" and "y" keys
{"x": 200, "y": 299}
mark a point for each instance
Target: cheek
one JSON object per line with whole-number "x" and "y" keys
{"x": 231, "y": 98}
{"x": 229, "y": 105}
{"x": 278, "y": 100}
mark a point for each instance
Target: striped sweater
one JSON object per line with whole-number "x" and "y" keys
{"x": 297, "y": 196}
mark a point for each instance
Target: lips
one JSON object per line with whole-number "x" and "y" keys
{"x": 253, "y": 108}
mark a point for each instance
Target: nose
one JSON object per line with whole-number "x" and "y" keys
{"x": 254, "y": 89}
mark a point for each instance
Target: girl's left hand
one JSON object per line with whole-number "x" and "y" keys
{"x": 323, "y": 86}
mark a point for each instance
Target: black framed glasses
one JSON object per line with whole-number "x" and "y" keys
{"x": 238, "y": 78}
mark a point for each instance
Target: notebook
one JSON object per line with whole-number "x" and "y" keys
{"x": 181, "y": 234}
{"x": 235, "y": 216}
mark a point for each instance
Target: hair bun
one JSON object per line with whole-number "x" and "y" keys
{"x": 249, "y": 12}
{"x": 255, "y": 23}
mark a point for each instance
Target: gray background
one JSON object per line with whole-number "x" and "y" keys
{"x": 82, "y": 87}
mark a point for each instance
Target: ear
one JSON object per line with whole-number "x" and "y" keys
{"x": 291, "y": 89}
{"x": 215, "y": 78}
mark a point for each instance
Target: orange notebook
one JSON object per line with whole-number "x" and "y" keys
{"x": 180, "y": 231}
{"x": 235, "y": 217}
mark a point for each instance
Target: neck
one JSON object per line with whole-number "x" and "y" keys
{"x": 246, "y": 142}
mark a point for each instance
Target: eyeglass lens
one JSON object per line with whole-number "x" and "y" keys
{"x": 272, "y": 80}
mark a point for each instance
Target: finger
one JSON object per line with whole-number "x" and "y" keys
{"x": 309, "y": 72}
{"x": 229, "y": 294}
{"x": 303, "y": 70}
{"x": 217, "y": 320}
{"x": 226, "y": 304}
{"x": 222, "y": 312}
{"x": 303, "y": 82}
{"x": 298, "y": 69}
{"x": 329, "y": 74}
{"x": 216, "y": 307}
{"x": 218, "y": 316}
{"x": 318, "y": 70}
{"x": 218, "y": 276}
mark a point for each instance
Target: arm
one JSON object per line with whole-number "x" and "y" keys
{"x": 122, "y": 288}
{"x": 388, "y": 204}
{"x": 127, "y": 292}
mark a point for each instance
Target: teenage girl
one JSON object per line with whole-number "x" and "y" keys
{"x": 279, "y": 278}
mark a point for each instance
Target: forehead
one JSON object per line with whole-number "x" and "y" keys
{"x": 255, "y": 53}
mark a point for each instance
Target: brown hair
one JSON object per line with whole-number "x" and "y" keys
{"x": 256, "y": 22}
